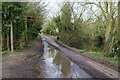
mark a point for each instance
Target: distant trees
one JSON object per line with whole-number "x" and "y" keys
{"x": 109, "y": 17}
{"x": 65, "y": 27}
{"x": 79, "y": 23}
{"x": 20, "y": 23}
{"x": 110, "y": 27}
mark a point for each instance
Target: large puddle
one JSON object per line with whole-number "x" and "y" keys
{"x": 56, "y": 65}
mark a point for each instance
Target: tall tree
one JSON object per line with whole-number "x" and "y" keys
{"x": 66, "y": 25}
{"x": 11, "y": 10}
{"x": 21, "y": 23}
{"x": 118, "y": 30}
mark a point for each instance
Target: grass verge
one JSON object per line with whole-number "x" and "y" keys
{"x": 98, "y": 56}
{"x": 21, "y": 51}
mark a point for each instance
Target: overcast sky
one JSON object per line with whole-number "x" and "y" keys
{"x": 53, "y": 7}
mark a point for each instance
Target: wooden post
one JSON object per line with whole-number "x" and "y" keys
{"x": 11, "y": 33}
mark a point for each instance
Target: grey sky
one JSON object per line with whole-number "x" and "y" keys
{"x": 53, "y": 6}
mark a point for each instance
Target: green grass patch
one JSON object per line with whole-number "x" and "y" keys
{"x": 81, "y": 50}
{"x": 20, "y": 51}
{"x": 112, "y": 60}
{"x": 4, "y": 53}
{"x": 101, "y": 56}
{"x": 97, "y": 54}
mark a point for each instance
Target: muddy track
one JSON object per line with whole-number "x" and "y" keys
{"x": 95, "y": 69}
{"x": 23, "y": 64}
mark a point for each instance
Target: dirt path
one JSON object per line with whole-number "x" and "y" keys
{"x": 22, "y": 64}
{"x": 95, "y": 69}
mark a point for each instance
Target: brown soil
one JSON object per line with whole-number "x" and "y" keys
{"x": 23, "y": 64}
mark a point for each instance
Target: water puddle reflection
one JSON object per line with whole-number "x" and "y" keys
{"x": 56, "y": 65}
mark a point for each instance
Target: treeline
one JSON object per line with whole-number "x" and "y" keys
{"x": 21, "y": 22}
{"x": 80, "y": 23}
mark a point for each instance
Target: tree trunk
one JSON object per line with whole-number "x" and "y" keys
{"x": 8, "y": 44}
{"x": 108, "y": 22}
{"x": 11, "y": 34}
{"x": 109, "y": 26}
{"x": 1, "y": 42}
{"x": 118, "y": 18}
{"x": 26, "y": 36}
{"x": 118, "y": 30}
